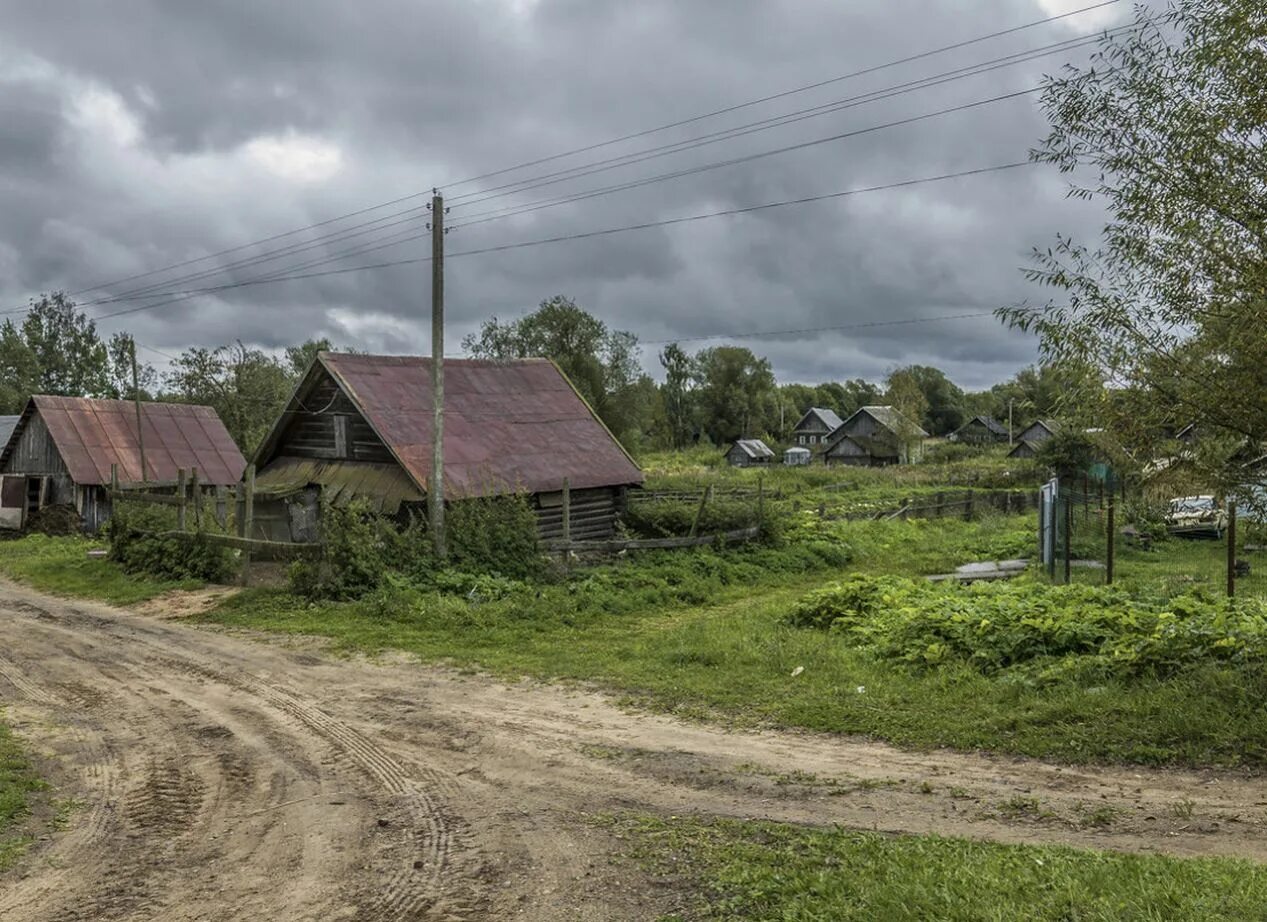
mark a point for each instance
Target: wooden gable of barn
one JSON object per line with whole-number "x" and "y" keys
{"x": 325, "y": 424}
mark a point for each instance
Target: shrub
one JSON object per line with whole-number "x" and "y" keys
{"x": 995, "y": 626}
{"x": 672, "y": 518}
{"x": 361, "y": 549}
{"x": 137, "y": 548}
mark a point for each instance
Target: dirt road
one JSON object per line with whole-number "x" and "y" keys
{"x": 218, "y": 777}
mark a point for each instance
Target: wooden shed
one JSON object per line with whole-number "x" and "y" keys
{"x": 749, "y": 453}
{"x": 1032, "y": 437}
{"x": 980, "y": 430}
{"x": 359, "y": 426}
{"x": 62, "y": 449}
{"x": 874, "y": 437}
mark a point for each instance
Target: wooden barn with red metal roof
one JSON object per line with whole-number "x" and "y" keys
{"x": 359, "y": 426}
{"x": 62, "y": 450}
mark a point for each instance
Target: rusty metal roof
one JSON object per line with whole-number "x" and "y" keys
{"x": 513, "y": 425}
{"x": 92, "y": 434}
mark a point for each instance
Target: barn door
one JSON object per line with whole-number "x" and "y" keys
{"x": 12, "y": 501}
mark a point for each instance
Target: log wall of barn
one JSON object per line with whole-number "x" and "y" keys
{"x": 593, "y": 513}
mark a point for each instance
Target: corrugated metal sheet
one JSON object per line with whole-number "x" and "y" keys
{"x": 7, "y": 424}
{"x": 517, "y": 425}
{"x": 384, "y": 486}
{"x": 91, "y": 435}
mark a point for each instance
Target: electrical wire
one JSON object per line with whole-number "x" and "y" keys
{"x": 179, "y": 296}
{"x": 779, "y": 121}
{"x": 588, "y": 148}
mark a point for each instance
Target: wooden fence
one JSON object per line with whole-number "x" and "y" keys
{"x": 967, "y": 504}
{"x": 196, "y": 508}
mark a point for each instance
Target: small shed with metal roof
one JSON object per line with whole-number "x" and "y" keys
{"x": 749, "y": 453}
{"x": 62, "y": 451}
{"x": 360, "y": 427}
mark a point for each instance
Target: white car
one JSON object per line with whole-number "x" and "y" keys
{"x": 1196, "y": 517}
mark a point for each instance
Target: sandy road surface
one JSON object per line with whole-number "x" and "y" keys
{"x": 224, "y": 778}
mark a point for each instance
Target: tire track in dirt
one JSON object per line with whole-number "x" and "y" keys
{"x": 166, "y": 804}
{"x": 315, "y": 787}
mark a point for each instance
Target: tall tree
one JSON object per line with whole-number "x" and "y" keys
{"x": 19, "y": 370}
{"x": 120, "y": 353}
{"x": 246, "y": 387}
{"x": 904, "y": 394}
{"x": 70, "y": 358}
{"x": 679, "y": 371}
{"x": 602, "y": 363}
{"x": 1165, "y": 128}
{"x": 737, "y": 395}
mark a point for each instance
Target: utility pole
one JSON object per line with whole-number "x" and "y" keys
{"x": 435, "y": 500}
{"x": 136, "y": 397}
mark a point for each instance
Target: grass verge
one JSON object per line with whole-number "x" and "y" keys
{"x": 745, "y": 871}
{"x": 18, "y": 785}
{"x": 61, "y": 566}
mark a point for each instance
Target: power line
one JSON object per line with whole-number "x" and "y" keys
{"x": 827, "y": 329}
{"x": 376, "y": 225}
{"x": 778, "y": 121}
{"x": 621, "y": 187}
{"x": 760, "y": 155}
{"x": 785, "y": 93}
{"x": 643, "y": 133}
{"x": 179, "y": 296}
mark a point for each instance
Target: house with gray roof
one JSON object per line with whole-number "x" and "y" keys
{"x": 749, "y": 453}
{"x": 874, "y": 437}
{"x": 815, "y": 426}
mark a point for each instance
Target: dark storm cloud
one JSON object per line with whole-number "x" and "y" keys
{"x": 145, "y": 133}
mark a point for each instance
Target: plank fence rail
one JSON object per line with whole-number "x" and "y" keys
{"x": 967, "y": 504}
{"x": 641, "y": 544}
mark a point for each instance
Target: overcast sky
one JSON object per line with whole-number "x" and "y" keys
{"x": 136, "y": 135}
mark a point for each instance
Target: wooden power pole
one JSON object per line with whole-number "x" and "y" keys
{"x": 435, "y": 500}
{"x": 136, "y": 397}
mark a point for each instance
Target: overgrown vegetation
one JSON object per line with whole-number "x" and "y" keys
{"x": 362, "y": 552}
{"x": 141, "y": 543}
{"x": 795, "y": 874}
{"x": 1037, "y": 632}
{"x": 18, "y": 784}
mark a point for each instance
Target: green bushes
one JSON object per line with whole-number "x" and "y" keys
{"x": 668, "y": 518}
{"x": 1028, "y": 626}
{"x": 138, "y": 546}
{"x": 362, "y": 551}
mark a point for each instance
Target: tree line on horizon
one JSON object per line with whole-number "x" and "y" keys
{"x": 712, "y": 396}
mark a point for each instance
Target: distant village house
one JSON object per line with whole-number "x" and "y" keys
{"x": 874, "y": 437}
{"x": 815, "y": 427}
{"x": 749, "y": 453}
{"x": 980, "y": 430}
{"x": 1032, "y": 437}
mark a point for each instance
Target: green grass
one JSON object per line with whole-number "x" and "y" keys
{"x": 743, "y": 871}
{"x": 18, "y": 785}
{"x": 62, "y": 566}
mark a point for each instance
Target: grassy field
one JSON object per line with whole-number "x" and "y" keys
{"x": 18, "y": 784}
{"x": 740, "y": 871}
{"x": 61, "y": 566}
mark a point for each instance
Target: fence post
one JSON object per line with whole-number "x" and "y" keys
{"x": 699, "y": 513}
{"x": 1231, "y": 547}
{"x": 1068, "y": 539}
{"x": 196, "y": 492}
{"x": 906, "y": 508}
{"x": 761, "y": 502}
{"x": 182, "y": 495}
{"x": 248, "y": 519}
{"x": 1111, "y": 527}
{"x": 968, "y": 507}
{"x": 567, "y": 521}
{"x": 114, "y": 481}
{"x": 222, "y": 506}
{"x": 939, "y": 508}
